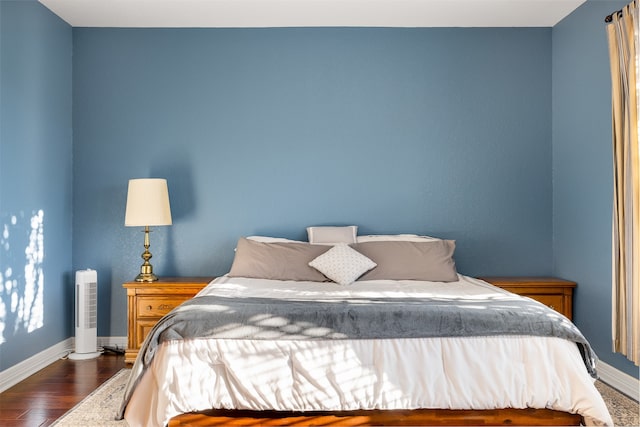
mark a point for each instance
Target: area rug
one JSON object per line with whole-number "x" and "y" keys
{"x": 100, "y": 407}
{"x": 624, "y": 410}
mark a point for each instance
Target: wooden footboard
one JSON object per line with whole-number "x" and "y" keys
{"x": 420, "y": 417}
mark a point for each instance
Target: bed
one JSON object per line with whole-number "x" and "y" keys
{"x": 280, "y": 349}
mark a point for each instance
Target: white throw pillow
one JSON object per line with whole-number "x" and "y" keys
{"x": 342, "y": 264}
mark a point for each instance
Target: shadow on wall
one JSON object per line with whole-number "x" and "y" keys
{"x": 179, "y": 176}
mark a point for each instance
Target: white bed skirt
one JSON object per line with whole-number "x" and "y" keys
{"x": 443, "y": 373}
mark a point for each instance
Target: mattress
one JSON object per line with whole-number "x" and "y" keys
{"x": 479, "y": 372}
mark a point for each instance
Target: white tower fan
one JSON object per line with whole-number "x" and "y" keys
{"x": 86, "y": 342}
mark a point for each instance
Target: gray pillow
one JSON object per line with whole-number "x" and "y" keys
{"x": 332, "y": 235}
{"x": 277, "y": 261}
{"x": 402, "y": 260}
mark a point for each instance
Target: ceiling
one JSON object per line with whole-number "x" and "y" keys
{"x": 312, "y": 13}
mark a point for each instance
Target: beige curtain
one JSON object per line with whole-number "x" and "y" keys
{"x": 624, "y": 45}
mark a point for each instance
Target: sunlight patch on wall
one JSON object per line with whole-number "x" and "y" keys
{"x": 22, "y": 274}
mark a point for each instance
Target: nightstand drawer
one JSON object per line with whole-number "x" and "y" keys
{"x": 555, "y": 302}
{"x": 157, "y": 306}
{"x": 551, "y": 291}
{"x": 143, "y": 328}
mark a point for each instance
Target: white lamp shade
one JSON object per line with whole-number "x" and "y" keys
{"x": 147, "y": 203}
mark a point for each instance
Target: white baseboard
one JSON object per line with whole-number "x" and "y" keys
{"x": 619, "y": 380}
{"x": 13, "y": 375}
{"x": 117, "y": 342}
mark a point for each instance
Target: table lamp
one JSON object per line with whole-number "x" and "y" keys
{"x": 147, "y": 205}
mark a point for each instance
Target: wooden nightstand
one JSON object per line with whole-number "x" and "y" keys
{"x": 149, "y": 301}
{"x": 553, "y": 292}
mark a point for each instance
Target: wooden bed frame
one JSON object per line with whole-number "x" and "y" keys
{"x": 419, "y": 417}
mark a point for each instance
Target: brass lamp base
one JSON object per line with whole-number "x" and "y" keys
{"x": 146, "y": 277}
{"x": 146, "y": 269}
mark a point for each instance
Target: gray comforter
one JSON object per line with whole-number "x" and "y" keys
{"x": 269, "y": 319}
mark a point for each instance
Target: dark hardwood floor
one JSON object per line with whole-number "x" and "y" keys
{"x": 43, "y": 397}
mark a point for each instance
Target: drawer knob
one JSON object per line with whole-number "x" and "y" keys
{"x": 551, "y": 307}
{"x": 150, "y": 307}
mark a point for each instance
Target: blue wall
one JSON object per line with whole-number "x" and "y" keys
{"x": 468, "y": 134}
{"x": 35, "y": 180}
{"x": 266, "y": 131}
{"x": 582, "y": 170}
